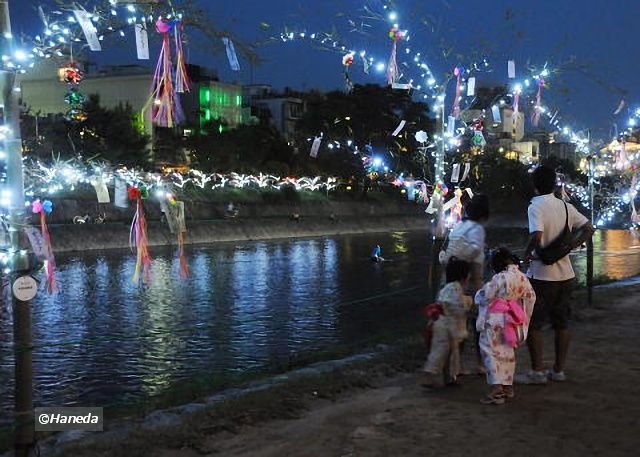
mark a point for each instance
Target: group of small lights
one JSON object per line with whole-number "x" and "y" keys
{"x": 62, "y": 31}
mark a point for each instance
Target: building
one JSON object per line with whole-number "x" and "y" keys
{"x": 43, "y": 93}
{"x": 280, "y": 110}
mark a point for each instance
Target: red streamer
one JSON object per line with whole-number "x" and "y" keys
{"x": 138, "y": 240}
{"x": 184, "y": 266}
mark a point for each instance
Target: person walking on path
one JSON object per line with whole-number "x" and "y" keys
{"x": 552, "y": 283}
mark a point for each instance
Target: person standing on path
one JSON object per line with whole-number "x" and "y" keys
{"x": 467, "y": 242}
{"x": 553, "y": 283}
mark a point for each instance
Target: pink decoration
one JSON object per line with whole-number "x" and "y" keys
{"x": 537, "y": 110}
{"x": 166, "y": 110}
{"x": 50, "y": 263}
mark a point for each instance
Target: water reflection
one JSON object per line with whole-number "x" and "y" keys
{"x": 103, "y": 340}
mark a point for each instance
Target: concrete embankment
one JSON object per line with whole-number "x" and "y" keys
{"x": 206, "y": 223}
{"x": 116, "y": 235}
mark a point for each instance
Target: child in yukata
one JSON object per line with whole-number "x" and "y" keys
{"x": 449, "y": 325}
{"x": 505, "y": 305}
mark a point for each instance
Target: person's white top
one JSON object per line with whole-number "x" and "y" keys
{"x": 470, "y": 233}
{"x": 547, "y": 215}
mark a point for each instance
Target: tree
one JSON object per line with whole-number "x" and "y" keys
{"x": 246, "y": 149}
{"x": 365, "y": 116}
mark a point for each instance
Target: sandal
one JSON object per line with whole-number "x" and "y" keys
{"x": 495, "y": 398}
{"x": 508, "y": 392}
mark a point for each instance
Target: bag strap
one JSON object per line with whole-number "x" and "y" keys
{"x": 566, "y": 212}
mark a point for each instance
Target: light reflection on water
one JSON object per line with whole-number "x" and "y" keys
{"x": 103, "y": 340}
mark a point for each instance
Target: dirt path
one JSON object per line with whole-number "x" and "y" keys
{"x": 595, "y": 413}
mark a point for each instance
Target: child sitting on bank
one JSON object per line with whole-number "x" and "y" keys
{"x": 505, "y": 308}
{"x": 449, "y": 328}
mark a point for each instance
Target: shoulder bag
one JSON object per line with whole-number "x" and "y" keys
{"x": 558, "y": 248}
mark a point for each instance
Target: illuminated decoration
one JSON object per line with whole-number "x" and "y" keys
{"x": 72, "y": 76}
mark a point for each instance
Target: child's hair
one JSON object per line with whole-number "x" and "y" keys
{"x": 457, "y": 270}
{"x": 501, "y": 258}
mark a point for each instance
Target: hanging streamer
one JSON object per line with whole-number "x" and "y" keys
{"x": 451, "y": 126}
{"x": 232, "y": 57}
{"x": 399, "y": 128}
{"x": 467, "y": 169}
{"x": 458, "y": 72}
{"x": 347, "y": 61}
{"x": 455, "y": 173}
{"x": 174, "y": 214}
{"x": 365, "y": 64}
{"x": 471, "y": 87}
{"x": 89, "y": 30}
{"x": 166, "y": 110}
{"x": 392, "y": 68}
{"x": 182, "y": 80}
{"x": 620, "y": 107}
{"x": 138, "y": 241}
{"x": 537, "y": 110}
{"x": 142, "y": 42}
{"x": 315, "y": 147}
{"x": 495, "y": 113}
{"x": 44, "y": 208}
{"x": 511, "y": 69}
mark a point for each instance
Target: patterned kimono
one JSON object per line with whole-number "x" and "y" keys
{"x": 449, "y": 330}
{"x": 505, "y": 308}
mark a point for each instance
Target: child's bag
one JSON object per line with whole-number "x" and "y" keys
{"x": 432, "y": 313}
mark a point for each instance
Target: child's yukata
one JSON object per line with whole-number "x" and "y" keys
{"x": 449, "y": 329}
{"x": 505, "y": 307}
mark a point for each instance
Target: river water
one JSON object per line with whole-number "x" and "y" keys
{"x": 247, "y": 306}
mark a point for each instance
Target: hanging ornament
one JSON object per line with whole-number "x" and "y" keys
{"x": 74, "y": 97}
{"x": 478, "y": 141}
{"x": 72, "y": 76}
{"x": 43, "y": 209}
{"x": 392, "y": 69}
{"x": 458, "y": 72}
{"x": 76, "y": 115}
{"x": 537, "y": 109}
{"x": 347, "y": 61}
{"x": 166, "y": 108}
{"x": 138, "y": 240}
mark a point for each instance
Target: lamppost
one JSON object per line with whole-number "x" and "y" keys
{"x": 18, "y": 260}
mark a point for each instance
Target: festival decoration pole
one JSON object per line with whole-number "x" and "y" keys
{"x": 591, "y": 164}
{"x": 24, "y": 436}
{"x": 438, "y": 175}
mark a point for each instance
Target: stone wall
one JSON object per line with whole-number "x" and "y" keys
{"x": 84, "y": 237}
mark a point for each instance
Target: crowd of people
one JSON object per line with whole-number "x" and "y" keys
{"x": 509, "y": 308}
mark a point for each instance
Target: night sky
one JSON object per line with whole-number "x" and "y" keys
{"x": 590, "y": 42}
